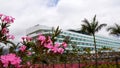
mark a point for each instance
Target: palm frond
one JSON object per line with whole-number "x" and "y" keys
{"x": 115, "y": 30}
{"x": 117, "y": 26}
{"x": 86, "y": 22}
{"x": 94, "y": 19}
{"x": 100, "y": 26}
{"x": 91, "y": 27}
{"x": 110, "y": 28}
{"x": 84, "y": 27}
{"x": 115, "y": 33}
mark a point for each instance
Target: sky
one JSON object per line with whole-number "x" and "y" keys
{"x": 68, "y": 14}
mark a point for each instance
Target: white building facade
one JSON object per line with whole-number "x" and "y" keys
{"x": 81, "y": 40}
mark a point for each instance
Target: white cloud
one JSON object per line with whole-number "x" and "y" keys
{"x": 67, "y": 14}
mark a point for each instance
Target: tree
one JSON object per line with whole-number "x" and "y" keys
{"x": 105, "y": 49}
{"x": 91, "y": 28}
{"x": 87, "y": 50}
{"x": 114, "y": 30}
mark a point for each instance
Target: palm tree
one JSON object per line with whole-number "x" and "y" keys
{"x": 91, "y": 28}
{"x": 115, "y": 30}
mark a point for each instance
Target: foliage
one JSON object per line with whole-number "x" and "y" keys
{"x": 91, "y": 28}
{"x": 42, "y": 50}
{"x": 115, "y": 30}
{"x": 45, "y": 48}
{"x": 103, "y": 66}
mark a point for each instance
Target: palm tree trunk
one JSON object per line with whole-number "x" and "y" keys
{"x": 95, "y": 51}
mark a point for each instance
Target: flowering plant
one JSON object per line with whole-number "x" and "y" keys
{"x": 10, "y": 59}
{"x": 44, "y": 47}
{"x": 6, "y": 38}
{"x": 27, "y": 51}
{"x": 4, "y": 31}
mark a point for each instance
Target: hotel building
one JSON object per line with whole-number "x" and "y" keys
{"x": 79, "y": 39}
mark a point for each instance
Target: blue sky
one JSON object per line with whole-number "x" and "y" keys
{"x": 65, "y": 13}
{"x": 52, "y": 3}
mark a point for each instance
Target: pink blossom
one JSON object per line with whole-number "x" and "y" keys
{"x": 49, "y": 45}
{"x": 12, "y": 19}
{"x": 1, "y": 15}
{"x": 10, "y": 59}
{"x": 8, "y": 19}
{"x": 28, "y": 38}
{"x": 60, "y": 50}
{"x": 23, "y": 38}
{"x": 41, "y": 38}
{"x": 28, "y": 63}
{"x": 29, "y": 53}
{"x": 4, "y": 31}
{"x": 64, "y": 44}
{"x": 56, "y": 45}
{"x": 11, "y": 37}
{"x": 49, "y": 40}
{"x": 54, "y": 49}
{"x": 22, "y": 48}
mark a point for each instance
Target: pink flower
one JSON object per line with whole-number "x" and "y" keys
{"x": 64, "y": 44}
{"x": 1, "y": 15}
{"x": 41, "y": 38}
{"x": 28, "y": 38}
{"x": 8, "y": 19}
{"x": 55, "y": 48}
{"x": 10, "y": 59}
{"x": 11, "y": 37}
{"x": 29, "y": 53}
{"x": 4, "y": 31}
{"x": 22, "y": 48}
{"x": 28, "y": 63}
{"x": 49, "y": 46}
{"x": 60, "y": 50}
{"x": 23, "y": 38}
{"x": 49, "y": 40}
{"x": 12, "y": 19}
{"x": 56, "y": 45}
